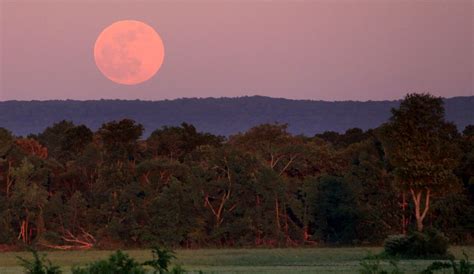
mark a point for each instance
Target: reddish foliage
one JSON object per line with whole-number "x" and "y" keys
{"x": 32, "y": 147}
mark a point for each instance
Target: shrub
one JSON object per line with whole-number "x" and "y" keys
{"x": 430, "y": 244}
{"x": 121, "y": 263}
{"x": 396, "y": 244}
{"x": 161, "y": 260}
{"x": 118, "y": 262}
{"x": 38, "y": 265}
{"x": 437, "y": 243}
{"x": 463, "y": 267}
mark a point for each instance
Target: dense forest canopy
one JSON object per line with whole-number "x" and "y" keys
{"x": 220, "y": 116}
{"x": 71, "y": 187}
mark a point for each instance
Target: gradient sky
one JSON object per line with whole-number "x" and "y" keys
{"x": 322, "y": 50}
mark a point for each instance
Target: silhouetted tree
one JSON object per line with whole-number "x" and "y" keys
{"x": 422, "y": 147}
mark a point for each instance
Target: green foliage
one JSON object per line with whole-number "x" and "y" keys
{"x": 161, "y": 260}
{"x": 373, "y": 264}
{"x": 351, "y": 136}
{"x": 395, "y": 244}
{"x": 454, "y": 216}
{"x": 178, "y": 142}
{"x": 6, "y": 141}
{"x": 261, "y": 187}
{"x": 54, "y": 136}
{"x": 464, "y": 266}
{"x": 6, "y": 233}
{"x": 424, "y": 245}
{"x": 175, "y": 214}
{"x": 29, "y": 197}
{"x": 250, "y": 260}
{"x": 117, "y": 263}
{"x": 379, "y": 211}
{"x": 119, "y": 139}
{"x": 75, "y": 141}
{"x": 423, "y": 149}
{"x": 333, "y": 209}
{"x": 39, "y": 265}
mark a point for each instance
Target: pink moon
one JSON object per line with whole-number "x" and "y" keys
{"x": 129, "y": 52}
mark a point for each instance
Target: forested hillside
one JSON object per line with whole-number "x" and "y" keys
{"x": 72, "y": 187}
{"x": 221, "y": 116}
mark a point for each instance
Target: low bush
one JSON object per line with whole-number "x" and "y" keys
{"x": 39, "y": 265}
{"x": 118, "y": 262}
{"x": 396, "y": 244}
{"x": 429, "y": 244}
{"x": 463, "y": 267}
{"x": 161, "y": 260}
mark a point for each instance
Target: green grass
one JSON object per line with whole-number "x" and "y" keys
{"x": 291, "y": 260}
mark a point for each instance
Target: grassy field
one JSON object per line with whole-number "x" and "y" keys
{"x": 298, "y": 260}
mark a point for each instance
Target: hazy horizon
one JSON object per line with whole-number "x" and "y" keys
{"x": 224, "y": 97}
{"x": 317, "y": 50}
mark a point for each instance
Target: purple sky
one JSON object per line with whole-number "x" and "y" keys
{"x": 322, "y": 50}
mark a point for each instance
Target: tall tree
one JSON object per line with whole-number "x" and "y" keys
{"x": 6, "y": 161}
{"x": 334, "y": 209}
{"x": 29, "y": 199}
{"x": 422, "y": 148}
{"x": 75, "y": 141}
{"x": 177, "y": 142}
{"x": 120, "y": 140}
{"x": 279, "y": 152}
{"x": 368, "y": 175}
{"x": 53, "y": 137}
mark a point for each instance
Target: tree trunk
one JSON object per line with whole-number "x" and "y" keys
{"x": 9, "y": 180}
{"x": 40, "y": 227}
{"x": 277, "y": 214}
{"x": 258, "y": 236}
{"x": 287, "y": 231}
{"x": 420, "y": 213}
{"x": 404, "y": 217}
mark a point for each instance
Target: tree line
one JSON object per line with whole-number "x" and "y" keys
{"x": 69, "y": 187}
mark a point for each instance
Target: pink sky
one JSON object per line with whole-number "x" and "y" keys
{"x": 322, "y": 50}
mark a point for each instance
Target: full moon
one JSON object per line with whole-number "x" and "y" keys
{"x": 129, "y": 52}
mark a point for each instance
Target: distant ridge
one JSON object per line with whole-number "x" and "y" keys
{"x": 223, "y": 116}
